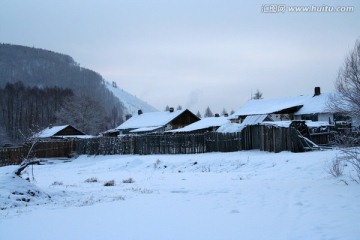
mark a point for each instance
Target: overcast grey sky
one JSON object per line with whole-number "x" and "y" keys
{"x": 194, "y": 53}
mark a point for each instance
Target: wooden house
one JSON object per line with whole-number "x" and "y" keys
{"x": 310, "y": 107}
{"x": 156, "y": 122}
{"x": 65, "y": 131}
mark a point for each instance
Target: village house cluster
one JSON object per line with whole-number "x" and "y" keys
{"x": 310, "y": 110}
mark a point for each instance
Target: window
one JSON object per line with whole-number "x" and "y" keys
{"x": 312, "y": 117}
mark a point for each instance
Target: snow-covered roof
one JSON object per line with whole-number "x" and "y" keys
{"x": 53, "y": 130}
{"x": 237, "y": 127}
{"x": 316, "y": 104}
{"x": 203, "y": 124}
{"x": 254, "y": 119}
{"x": 285, "y": 124}
{"x": 312, "y": 124}
{"x": 267, "y": 106}
{"x": 150, "y": 119}
{"x": 230, "y": 128}
{"x": 308, "y": 104}
{"x": 145, "y": 129}
{"x": 75, "y": 136}
{"x": 50, "y": 131}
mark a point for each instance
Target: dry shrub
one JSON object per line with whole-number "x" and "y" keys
{"x": 109, "y": 183}
{"x": 129, "y": 180}
{"x": 336, "y": 167}
{"x": 91, "y": 180}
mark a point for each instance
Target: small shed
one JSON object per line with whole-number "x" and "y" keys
{"x": 64, "y": 131}
{"x": 157, "y": 122}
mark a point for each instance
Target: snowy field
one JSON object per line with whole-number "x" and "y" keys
{"x": 241, "y": 195}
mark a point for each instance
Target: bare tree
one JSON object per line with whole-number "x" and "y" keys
{"x": 346, "y": 100}
{"x": 29, "y": 159}
{"x": 83, "y": 113}
{"x": 347, "y": 85}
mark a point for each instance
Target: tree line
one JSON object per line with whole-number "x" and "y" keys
{"x": 25, "y": 110}
{"x": 43, "y": 69}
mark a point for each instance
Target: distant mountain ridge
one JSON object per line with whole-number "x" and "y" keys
{"x": 44, "y": 68}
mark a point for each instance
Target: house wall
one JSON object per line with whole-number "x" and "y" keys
{"x": 324, "y": 117}
{"x": 321, "y": 117}
{"x": 183, "y": 120}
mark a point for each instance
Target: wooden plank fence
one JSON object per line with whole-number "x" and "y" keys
{"x": 48, "y": 149}
{"x": 263, "y": 137}
{"x": 11, "y": 156}
{"x": 271, "y": 139}
{"x": 160, "y": 144}
{"x": 322, "y": 138}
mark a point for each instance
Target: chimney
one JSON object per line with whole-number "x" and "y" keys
{"x": 317, "y": 91}
{"x": 217, "y": 115}
{"x": 171, "y": 109}
{"x": 140, "y": 112}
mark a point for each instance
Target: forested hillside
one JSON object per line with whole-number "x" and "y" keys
{"x": 24, "y": 110}
{"x": 40, "y": 87}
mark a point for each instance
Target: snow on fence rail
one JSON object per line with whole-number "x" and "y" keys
{"x": 263, "y": 137}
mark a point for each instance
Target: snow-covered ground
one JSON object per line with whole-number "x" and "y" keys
{"x": 240, "y": 195}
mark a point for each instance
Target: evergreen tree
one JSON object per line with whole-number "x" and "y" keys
{"x": 257, "y": 95}
{"x": 224, "y": 112}
{"x": 208, "y": 112}
{"x": 198, "y": 114}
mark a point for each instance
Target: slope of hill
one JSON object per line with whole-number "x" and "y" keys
{"x": 43, "y": 68}
{"x": 130, "y": 102}
{"x": 46, "y": 69}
